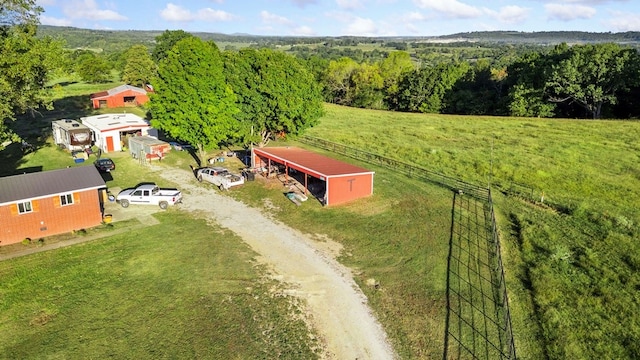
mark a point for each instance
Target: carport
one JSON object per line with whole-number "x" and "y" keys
{"x": 332, "y": 181}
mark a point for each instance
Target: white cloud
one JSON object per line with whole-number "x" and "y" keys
{"x": 510, "y": 14}
{"x": 179, "y": 14}
{"x": 350, "y": 4}
{"x": 88, "y": 9}
{"x": 361, "y": 27}
{"x": 586, "y": 2}
{"x": 270, "y": 18}
{"x": 176, "y": 13}
{"x": 568, "y": 12}
{"x": 303, "y": 3}
{"x": 303, "y": 31}
{"x": 415, "y": 16}
{"x": 209, "y": 14}
{"x": 622, "y": 21}
{"x": 46, "y": 20}
{"x": 450, "y": 8}
{"x": 45, "y": 2}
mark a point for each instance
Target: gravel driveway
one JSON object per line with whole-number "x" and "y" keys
{"x": 338, "y": 309}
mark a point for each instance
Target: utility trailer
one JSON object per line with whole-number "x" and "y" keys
{"x": 148, "y": 148}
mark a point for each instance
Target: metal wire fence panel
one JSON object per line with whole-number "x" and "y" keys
{"x": 478, "y": 318}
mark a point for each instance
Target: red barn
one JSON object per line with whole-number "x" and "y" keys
{"x": 333, "y": 181}
{"x": 121, "y": 96}
{"x": 41, "y": 204}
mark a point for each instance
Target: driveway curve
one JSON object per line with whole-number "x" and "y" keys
{"x": 338, "y": 309}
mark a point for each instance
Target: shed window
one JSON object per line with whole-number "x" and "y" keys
{"x": 25, "y": 207}
{"x": 66, "y": 199}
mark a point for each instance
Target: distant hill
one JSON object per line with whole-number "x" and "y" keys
{"x": 547, "y": 37}
{"x": 118, "y": 40}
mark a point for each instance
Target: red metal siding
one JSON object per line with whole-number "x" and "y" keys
{"x": 117, "y": 100}
{"x": 347, "y": 188}
{"x": 345, "y": 182}
{"x": 49, "y": 218}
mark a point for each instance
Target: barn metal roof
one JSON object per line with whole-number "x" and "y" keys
{"x": 117, "y": 90}
{"x": 48, "y": 183}
{"x": 310, "y": 162}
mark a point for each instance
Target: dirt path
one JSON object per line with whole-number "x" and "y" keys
{"x": 338, "y": 309}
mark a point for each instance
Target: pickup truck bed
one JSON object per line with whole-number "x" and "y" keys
{"x": 220, "y": 177}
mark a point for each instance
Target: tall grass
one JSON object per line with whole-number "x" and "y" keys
{"x": 572, "y": 266}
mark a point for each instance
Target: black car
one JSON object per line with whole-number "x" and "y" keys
{"x": 105, "y": 165}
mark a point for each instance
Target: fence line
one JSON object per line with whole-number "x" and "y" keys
{"x": 506, "y": 345}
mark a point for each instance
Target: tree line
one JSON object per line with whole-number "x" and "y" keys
{"x": 579, "y": 81}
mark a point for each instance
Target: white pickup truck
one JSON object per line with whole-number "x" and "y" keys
{"x": 220, "y": 177}
{"x": 149, "y": 194}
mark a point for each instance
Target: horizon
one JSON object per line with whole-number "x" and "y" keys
{"x": 340, "y": 18}
{"x": 355, "y": 36}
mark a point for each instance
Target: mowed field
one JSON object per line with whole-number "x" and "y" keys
{"x": 571, "y": 261}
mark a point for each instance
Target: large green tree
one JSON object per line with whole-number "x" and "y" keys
{"x": 277, "y": 96}
{"x": 424, "y": 90}
{"x": 93, "y": 68}
{"x": 139, "y": 69}
{"x": 393, "y": 69}
{"x": 25, "y": 62}
{"x": 338, "y": 81}
{"x": 192, "y": 101}
{"x": 368, "y": 86}
{"x": 166, "y": 41}
{"x": 592, "y": 76}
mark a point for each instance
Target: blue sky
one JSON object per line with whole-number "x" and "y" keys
{"x": 345, "y": 17}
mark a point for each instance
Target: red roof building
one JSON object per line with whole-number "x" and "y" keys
{"x": 121, "y": 96}
{"x": 332, "y": 181}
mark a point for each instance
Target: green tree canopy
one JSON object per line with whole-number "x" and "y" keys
{"x": 192, "y": 101}
{"x": 22, "y": 13}
{"x": 139, "y": 69}
{"x": 424, "y": 90}
{"x": 25, "y": 62}
{"x": 592, "y": 75}
{"x": 393, "y": 69}
{"x": 368, "y": 86}
{"x": 93, "y": 68}
{"x": 338, "y": 82}
{"x": 277, "y": 96}
{"x": 166, "y": 41}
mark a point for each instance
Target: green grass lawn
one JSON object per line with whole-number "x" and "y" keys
{"x": 180, "y": 289}
{"x": 571, "y": 262}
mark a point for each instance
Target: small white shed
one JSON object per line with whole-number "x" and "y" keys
{"x": 110, "y": 131}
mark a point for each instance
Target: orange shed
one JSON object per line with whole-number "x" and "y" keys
{"x": 332, "y": 181}
{"x": 40, "y": 204}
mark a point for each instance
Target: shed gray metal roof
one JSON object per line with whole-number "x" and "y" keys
{"x": 47, "y": 183}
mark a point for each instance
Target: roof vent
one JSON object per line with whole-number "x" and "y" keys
{"x": 75, "y": 125}
{"x": 67, "y": 120}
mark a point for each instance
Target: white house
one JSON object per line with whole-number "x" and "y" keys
{"x": 110, "y": 131}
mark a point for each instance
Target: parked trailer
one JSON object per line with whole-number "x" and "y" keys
{"x": 147, "y": 147}
{"x": 71, "y": 135}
